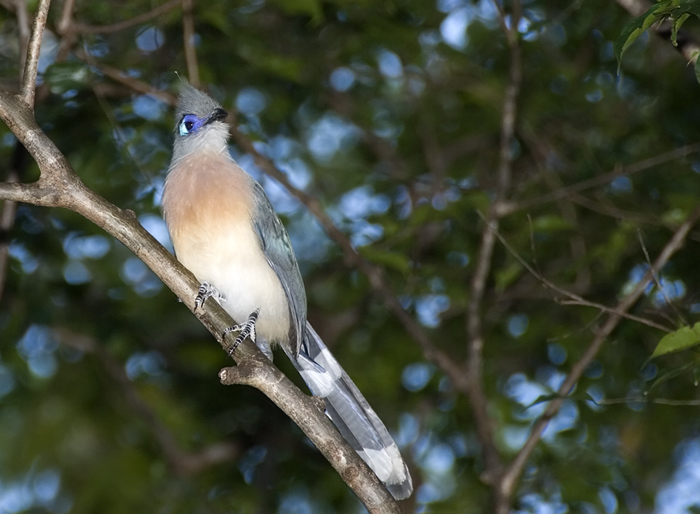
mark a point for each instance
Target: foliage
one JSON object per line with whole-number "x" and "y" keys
{"x": 389, "y": 114}
{"x": 676, "y": 12}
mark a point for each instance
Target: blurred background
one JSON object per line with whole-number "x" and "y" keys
{"x": 407, "y": 121}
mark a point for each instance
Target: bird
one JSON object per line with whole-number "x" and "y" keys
{"x": 225, "y": 231}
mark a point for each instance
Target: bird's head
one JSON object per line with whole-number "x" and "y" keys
{"x": 200, "y": 124}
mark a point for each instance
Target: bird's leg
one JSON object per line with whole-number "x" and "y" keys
{"x": 206, "y": 291}
{"x": 244, "y": 330}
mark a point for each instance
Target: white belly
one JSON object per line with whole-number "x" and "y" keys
{"x": 231, "y": 260}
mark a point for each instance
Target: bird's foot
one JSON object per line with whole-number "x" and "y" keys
{"x": 244, "y": 330}
{"x": 206, "y": 291}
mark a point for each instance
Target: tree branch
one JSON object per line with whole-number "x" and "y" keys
{"x": 622, "y": 171}
{"x": 188, "y": 43}
{"x": 24, "y": 31}
{"x": 573, "y": 298}
{"x": 473, "y": 318}
{"x": 9, "y": 208}
{"x": 132, "y": 83}
{"x": 122, "y": 25}
{"x": 515, "y": 469}
{"x": 33, "y": 50}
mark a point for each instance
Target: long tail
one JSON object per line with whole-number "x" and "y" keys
{"x": 352, "y": 415}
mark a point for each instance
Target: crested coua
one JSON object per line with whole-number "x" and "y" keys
{"x": 227, "y": 234}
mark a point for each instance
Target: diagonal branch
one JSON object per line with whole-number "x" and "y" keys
{"x": 512, "y": 474}
{"x": 132, "y": 83}
{"x": 122, "y": 25}
{"x": 600, "y": 180}
{"x": 573, "y": 298}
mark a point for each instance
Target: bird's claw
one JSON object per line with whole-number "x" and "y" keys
{"x": 206, "y": 291}
{"x": 244, "y": 330}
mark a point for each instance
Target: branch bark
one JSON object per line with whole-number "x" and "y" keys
{"x": 33, "y": 49}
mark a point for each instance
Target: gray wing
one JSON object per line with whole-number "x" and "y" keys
{"x": 352, "y": 415}
{"x": 279, "y": 253}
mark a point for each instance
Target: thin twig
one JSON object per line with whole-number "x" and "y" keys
{"x": 473, "y": 318}
{"x": 573, "y": 298}
{"x": 130, "y": 82}
{"x": 122, "y": 25}
{"x": 24, "y": 32}
{"x": 66, "y": 19}
{"x": 16, "y": 170}
{"x": 601, "y": 180}
{"x": 606, "y": 209}
{"x": 515, "y": 469}
{"x": 611, "y": 310}
{"x": 645, "y": 399}
{"x": 657, "y": 281}
{"x": 7, "y": 219}
{"x": 188, "y": 42}
{"x": 66, "y": 29}
{"x": 33, "y": 51}
{"x": 577, "y": 242}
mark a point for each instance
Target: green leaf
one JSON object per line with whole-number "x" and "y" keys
{"x": 683, "y": 339}
{"x": 677, "y": 23}
{"x": 637, "y": 27}
{"x": 689, "y": 7}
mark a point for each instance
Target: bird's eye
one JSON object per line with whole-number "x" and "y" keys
{"x": 188, "y": 124}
